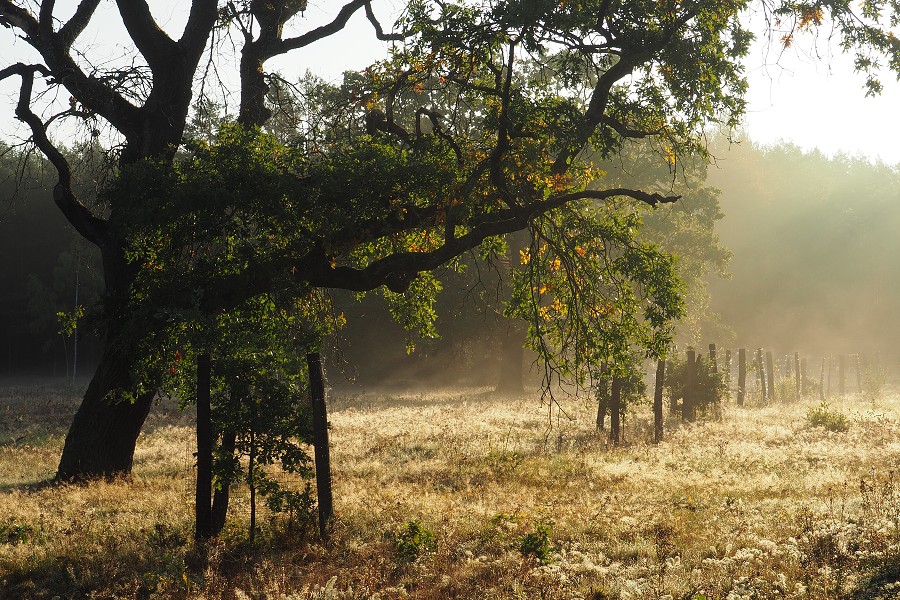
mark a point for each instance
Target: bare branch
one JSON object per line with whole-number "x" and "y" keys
{"x": 322, "y": 32}
{"x": 89, "y": 226}
{"x": 379, "y": 32}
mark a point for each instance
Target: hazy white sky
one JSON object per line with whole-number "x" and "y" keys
{"x": 812, "y": 103}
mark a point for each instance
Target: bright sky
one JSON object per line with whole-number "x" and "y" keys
{"x": 811, "y": 103}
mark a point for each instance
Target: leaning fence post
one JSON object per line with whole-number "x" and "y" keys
{"x": 320, "y": 443}
{"x": 658, "y": 401}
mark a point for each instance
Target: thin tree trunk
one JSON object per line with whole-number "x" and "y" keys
{"x": 320, "y": 442}
{"x": 222, "y": 493}
{"x": 615, "y": 410}
{"x": 658, "y": 401}
{"x": 203, "y": 496}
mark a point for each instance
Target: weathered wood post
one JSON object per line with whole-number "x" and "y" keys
{"x": 689, "y": 407}
{"x": 615, "y": 410}
{"x": 658, "y": 401}
{"x": 203, "y": 494}
{"x": 798, "y": 374}
{"x": 804, "y": 369}
{"x": 770, "y": 375}
{"x": 842, "y": 374}
{"x": 742, "y": 375}
{"x": 712, "y": 359}
{"x": 320, "y": 443}
{"x": 602, "y": 396}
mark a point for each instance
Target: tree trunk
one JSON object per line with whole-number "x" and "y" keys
{"x": 615, "y": 411}
{"x": 222, "y": 493}
{"x": 103, "y": 434}
{"x": 203, "y": 496}
{"x": 320, "y": 443}
{"x": 658, "y": 401}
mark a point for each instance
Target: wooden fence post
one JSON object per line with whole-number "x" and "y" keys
{"x": 615, "y": 410}
{"x": 658, "y": 401}
{"x": 689, "y": 408}
{"x": 320, "y": 443}
{"x": 742, "y": 375}
{"x": 770, "y": 372}
{"x": 203, "y": 494}
{"x": 712, "y": 359}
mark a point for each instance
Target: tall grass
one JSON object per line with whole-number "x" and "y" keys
{"x": 460, "y": 494}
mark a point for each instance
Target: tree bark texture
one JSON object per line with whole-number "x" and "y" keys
{"x": 104, "y": 431}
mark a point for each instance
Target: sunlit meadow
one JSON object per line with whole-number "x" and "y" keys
{"x": 463, "y": 494}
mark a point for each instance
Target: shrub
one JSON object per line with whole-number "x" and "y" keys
{"x": 413, "y": 540}
{"x": 823, "y": 416}
{"x": 709, "y": 389}
{"x": 13, "y": 533}
{"x": 537, "y": 543}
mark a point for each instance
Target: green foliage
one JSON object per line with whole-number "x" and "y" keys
{"x": 414, "y": 540}
{"x": 709, "y": 387}
{"x": 633, "y": 389}
{"x": 537, "y": 544}
{"x": 830, "y": 420}
{"x": 13, "y": 533}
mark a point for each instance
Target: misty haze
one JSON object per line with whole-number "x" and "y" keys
{"x": 498, "y": 300}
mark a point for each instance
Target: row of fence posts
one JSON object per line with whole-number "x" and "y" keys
{"x": 795, "y": 367}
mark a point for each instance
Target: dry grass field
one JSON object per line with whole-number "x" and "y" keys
{"x": 785, "y": 501}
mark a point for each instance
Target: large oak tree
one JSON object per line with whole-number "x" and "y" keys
{"x": 382, "y": 199}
